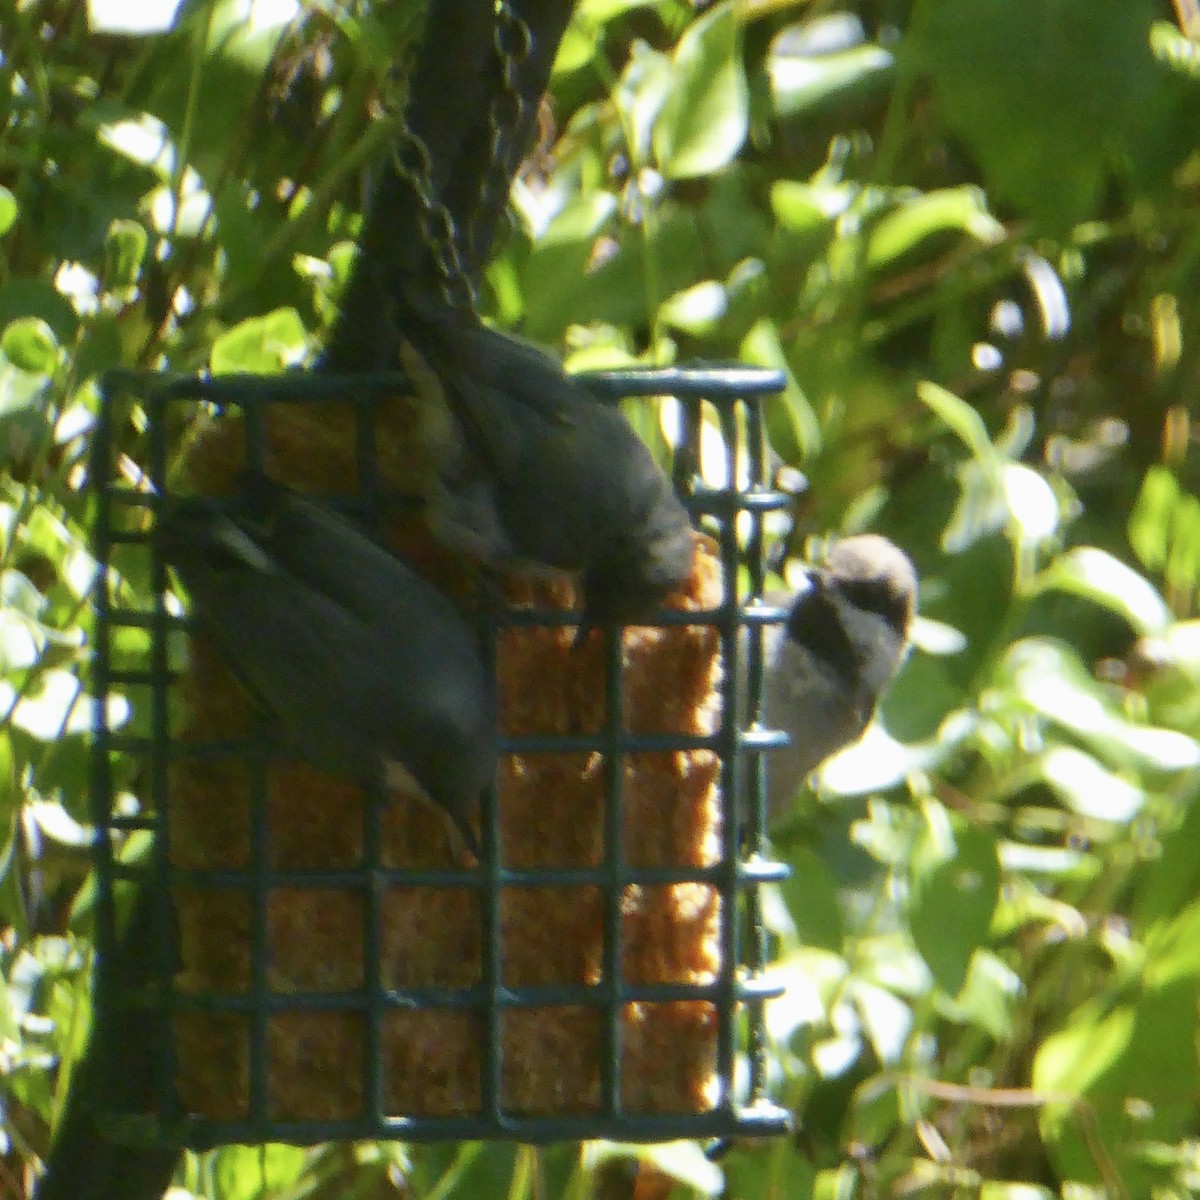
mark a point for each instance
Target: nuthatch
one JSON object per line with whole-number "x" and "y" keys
{"x": 544, "y": 474}
{"x": 826, "y": 667}
{"x": 370, "y": 671}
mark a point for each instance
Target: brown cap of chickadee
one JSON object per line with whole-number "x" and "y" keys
{"x": 370, "y": 671}
{"x": 826, "y": 667}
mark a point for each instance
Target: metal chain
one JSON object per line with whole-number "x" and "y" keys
{"x": 410, "y": 157}
{"x": 513, "y": 41}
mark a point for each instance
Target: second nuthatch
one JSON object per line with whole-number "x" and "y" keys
{"x": 827, "y": 665}
{"x": 370, "y": 671}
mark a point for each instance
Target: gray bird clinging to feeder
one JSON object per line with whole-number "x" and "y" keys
{"x": 369, "y": 670}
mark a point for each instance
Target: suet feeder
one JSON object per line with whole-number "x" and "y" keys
{"x": 321, "y": 966}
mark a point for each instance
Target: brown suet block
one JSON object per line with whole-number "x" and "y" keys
{"x": 550, "y": 814}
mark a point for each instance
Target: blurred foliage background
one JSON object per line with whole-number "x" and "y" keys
{"x": 969, "y": 232}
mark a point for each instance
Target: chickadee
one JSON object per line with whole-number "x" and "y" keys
{"x": 370, "y": 670}
{"x": 826, "y": 667}
{"x": 541, "y": 474}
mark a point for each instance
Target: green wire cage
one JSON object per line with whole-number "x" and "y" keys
{"x": 477, "y": 998}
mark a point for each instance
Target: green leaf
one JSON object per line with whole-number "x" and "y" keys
{"x": 1070, "y": 1060}
{"x": 1088, "y": 788}
{"x": 29, "y": 344}
{"x": 769, "y": 1170}
{"x": 997, "y": 1189}
{"x": 685, "y": 1162}
{"x": 697, "y": 310}
{"x": 1173, "y": 947}
{"x": 1182, "y": 569}
{"x": 1049, "y": 679}
{"x": 961, "y": 419}
{"x": 762, "y": 347}
{"x": 887, "y": 1021}
{"x": 1175, "y": 49}
{"x": 251, "y": 1172}
{"x": 924, "y": 215}
{"x": 56, "y": 706}
{"x": 1097, "y": 576}
{"x": 1045, "y": 93}
{"x": 261, "y": 344}
{"x": 1137, "y": 1061}
{"x": 124, "y": 252}
{"x": 246, "y": 33}
{"x": 807, "y": 208}
{"x": 143, "y": 140}
{"x": 804, "y": 77}
{"x": 640, "y": 96}
{"x": 1032, "y": 506}
{"x": 121, "y": 17}
{"x": 988, "y": 1000}
{"x": 955, "y": 888}
{"x": 8, "y": 210}
{"x": 811, "y": 895}
{"x": 1176, "y": 875}
{"x": 705, "y": 116}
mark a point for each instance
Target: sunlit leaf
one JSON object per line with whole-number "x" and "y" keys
{"x": 887, "y": 1021}
{"x": 927, "y": 214}
{"x": 1088, "y": 788}
{"x": 132, "y": 19}
{"x": 30, "y": 345}
{"x": 1070, "y": 1060}
{"x": 996, "y": 1189}
{"x": 761, "y": 347}
{"x": 988, "y": 998}
{"x": 1173, "y": 947}
{"x": 960, "y": 418}
{"x": 8, "y": 210}
{"x": 804, "y": 207}
{"x": 1049, "y": 678}
{"x": 1150, "y": 521}
{"x": 802, "y": 1002}
{"x": 262, "y": 344}
{"x": 685, "y": 1162}
{"x": 817, "y": 60}
{"x": 640, "y": 96}
{"x": 249, "y": 1172}
{"x": 1032, "y": 504}
{"x": 183, "y": 216}
{"x": 56, "y": 706}
{"x": 1096, "y": 575}
{"x": 696, "y": 311}
{"x": 705, "y": 115}
{"x": 144, "y": 141}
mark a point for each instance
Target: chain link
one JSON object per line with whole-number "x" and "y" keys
{"x": 513, "y": 42}
{"x": 410, "y": 157}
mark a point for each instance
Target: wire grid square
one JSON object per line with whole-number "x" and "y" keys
{"x": 125, "y": 507}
